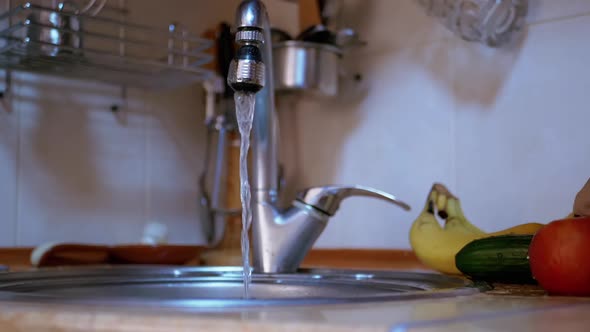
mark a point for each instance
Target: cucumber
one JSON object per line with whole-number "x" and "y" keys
{"x": 497, "y": 259}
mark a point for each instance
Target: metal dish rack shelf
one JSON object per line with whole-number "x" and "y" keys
{"x": 108, "y": 49}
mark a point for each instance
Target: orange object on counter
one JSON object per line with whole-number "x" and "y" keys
{"x": 68, "y": 254}
{"x": 159, "y": 254}
{"x": 559, "y": 257}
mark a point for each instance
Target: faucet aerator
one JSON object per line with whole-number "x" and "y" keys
{"x": 247, "y": 70}
{"x": 246, "y": 76}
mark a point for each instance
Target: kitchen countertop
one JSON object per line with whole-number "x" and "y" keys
{"x": 504, "y": 308}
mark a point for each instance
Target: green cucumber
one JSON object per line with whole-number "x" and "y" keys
{"x": 497, "y": 259}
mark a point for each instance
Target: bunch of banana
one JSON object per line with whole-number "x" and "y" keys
{"x": 436, "y": 246}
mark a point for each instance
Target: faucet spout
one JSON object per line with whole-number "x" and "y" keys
{"x": 281, "y": 238}
{"x": 251, "y": 71}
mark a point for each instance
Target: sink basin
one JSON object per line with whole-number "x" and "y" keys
{"x": 221, "y": 287}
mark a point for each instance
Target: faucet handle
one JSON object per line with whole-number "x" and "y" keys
{"x": 327, "y": 198}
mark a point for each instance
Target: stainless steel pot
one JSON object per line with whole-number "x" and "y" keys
{"x": 309, "y": 67}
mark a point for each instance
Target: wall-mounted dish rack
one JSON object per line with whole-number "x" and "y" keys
{"x": 65, "y": 42}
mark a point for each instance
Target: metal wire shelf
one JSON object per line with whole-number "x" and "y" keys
{"x": 34, "y": 38}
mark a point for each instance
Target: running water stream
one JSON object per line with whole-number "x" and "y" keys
{"x": 245, "y": 115}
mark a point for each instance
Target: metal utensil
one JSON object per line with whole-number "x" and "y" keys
{"x": 220, "y": 121}
{"x": 317, "y": 34}
{"x": 308, "y": 67}
{"x": 343, "y": 38}
{"x": 347, "y": 37}
{"x": 278, "y": 36}
{"x": 54, "y": 32}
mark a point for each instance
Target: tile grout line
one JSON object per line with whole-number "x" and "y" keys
{"x": 17, "y": 171}
{"x": 148, "y": 110}
{"x": 453, "y": 120}
{"x": 557, "y": 19}
{"x": 453, "y": 134}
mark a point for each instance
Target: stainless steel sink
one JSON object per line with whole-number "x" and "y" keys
{"x": 221, "y": 287}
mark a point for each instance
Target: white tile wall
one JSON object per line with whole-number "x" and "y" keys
{"x": 505, "y": 129}
{"x": 86, "y": 174}
{"x": 71, "y": 170}
{"x": 524, "y": 155}
{"x": 175, "y": 150}
{"x": 8, "y": 172}
{"x": 546, "y": 10}
{"x": 391, "y": 24}
{"x": 384, "y": 140}
{"x": 81, "y": 168}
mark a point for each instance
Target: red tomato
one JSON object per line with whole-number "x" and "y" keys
{"x": 559, "y": 257}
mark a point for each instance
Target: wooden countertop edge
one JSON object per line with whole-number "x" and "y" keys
{"x": 16, "y": 258}
{"x": 19, "y": 258}
{"x": 363, "y": 258}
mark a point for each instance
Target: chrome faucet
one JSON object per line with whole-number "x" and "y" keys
{"x": 281, "y": 238}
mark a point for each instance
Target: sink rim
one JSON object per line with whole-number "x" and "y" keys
{"x": 13, "y": 285}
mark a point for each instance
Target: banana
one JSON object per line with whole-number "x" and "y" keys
{"x": 523, "y": 229}
{"x": 437, "y": 246}
{"x": 449, "y": 208}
